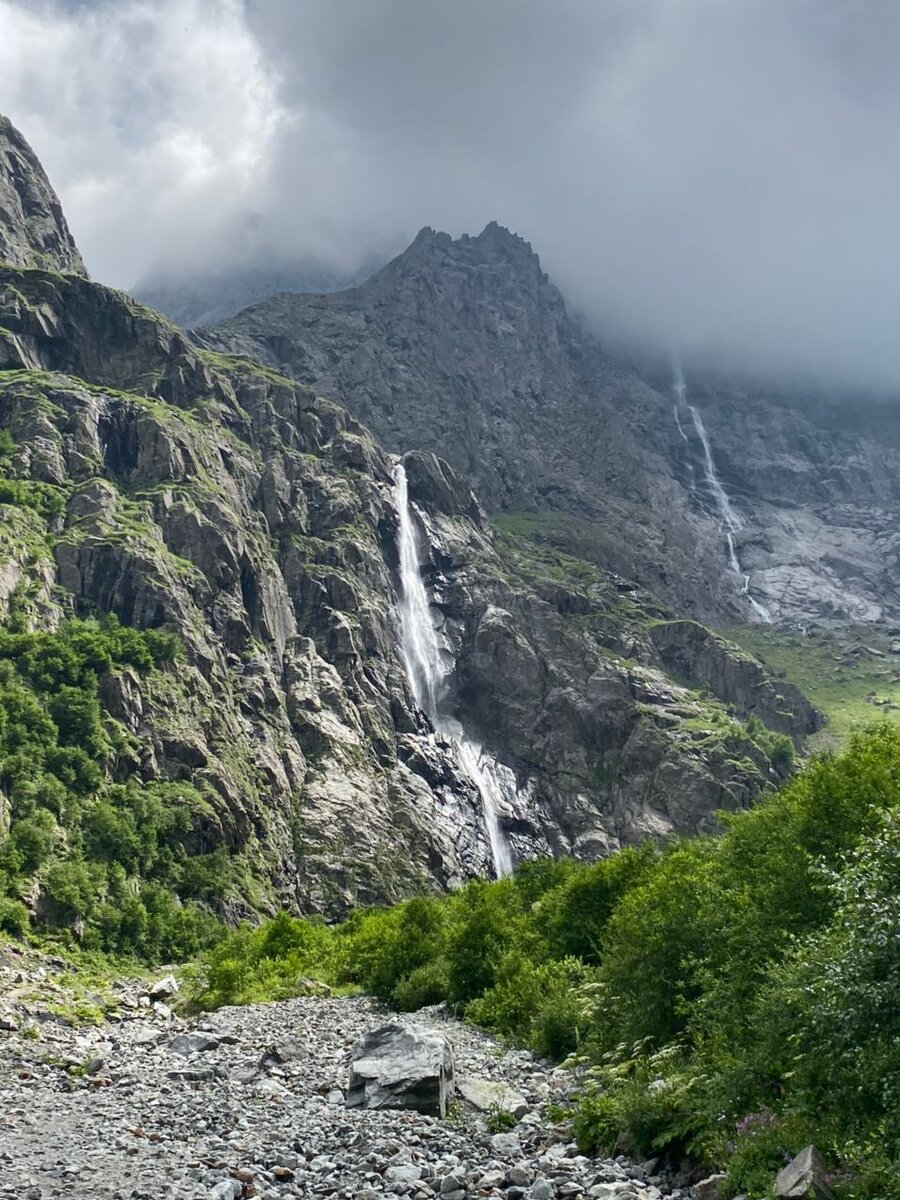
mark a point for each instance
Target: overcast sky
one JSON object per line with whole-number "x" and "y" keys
{"x": 716, "y": 173}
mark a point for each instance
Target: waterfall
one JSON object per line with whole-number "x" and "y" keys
{"x": 423, "y": 658}
{"x": 731, "y": 522}
{"x": 679, "y": 389}
{"x": 419, "y": 643}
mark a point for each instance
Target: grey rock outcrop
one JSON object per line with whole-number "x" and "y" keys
{"x": 804, "y": 1176}
{"x": 33, "y": 230}
{"x": 402, "y": 1066}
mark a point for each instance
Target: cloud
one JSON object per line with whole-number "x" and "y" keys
{"x": 154, "y": 120}
{"x": 719, "y": 174}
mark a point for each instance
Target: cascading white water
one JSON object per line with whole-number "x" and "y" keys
{"x": 419, "y": 642}
{"x": 731, "y": 521}
{"x": 424, "y": 660}
{"x": 679, "y": 389}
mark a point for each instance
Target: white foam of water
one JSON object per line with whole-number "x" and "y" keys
{"x": 731, "y": 521}
{"x": 424, "y": 659}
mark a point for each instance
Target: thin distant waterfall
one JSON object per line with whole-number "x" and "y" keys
{"x": 423, "y": 658}
{"x": 730, "y": 520}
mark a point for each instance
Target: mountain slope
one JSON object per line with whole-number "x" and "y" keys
{"x": 224, "y": 505}
{"x": 465, "y": 348}
{"x": 203, "y": 296}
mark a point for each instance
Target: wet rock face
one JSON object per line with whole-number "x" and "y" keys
{"x": 33, "y": 230}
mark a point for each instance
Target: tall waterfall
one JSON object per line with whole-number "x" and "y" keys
{"x": 730, "y": 520}
{"x": 423, "y": 658}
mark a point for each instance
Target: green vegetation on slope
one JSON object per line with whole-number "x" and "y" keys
{"x": 851, "y": 675}
{"x": 80, "y": 854}
{"x": 738, "y": 996}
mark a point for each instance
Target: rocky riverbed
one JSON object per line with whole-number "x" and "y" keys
{"x": 249, "y": 1101}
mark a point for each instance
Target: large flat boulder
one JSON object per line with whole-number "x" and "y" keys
{"x": 402, "y": 1066}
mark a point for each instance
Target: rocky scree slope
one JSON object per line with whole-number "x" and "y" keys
{"x": 465, "y": 348}
{"x": 250, "y": 1101}
{"x": 214, "y": 498}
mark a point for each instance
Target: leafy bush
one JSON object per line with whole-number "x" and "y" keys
{"x": 110, "y": 863}
{"x": 272, "y": 962}
{"x": 13, "y": 917}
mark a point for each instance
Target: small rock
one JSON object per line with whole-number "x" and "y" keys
{"x": 193, "y": 1043}
{"x": 227, "y": 1189}
{"x": 485, "y": 1095}
{"x": 284, "y": 1051}
{"x": 542, "y": 1189}
{"x": 492, "y": 1179}
{"x": 707, "y": 1189}
{"x": 167, "y": 986}
{"x": 507, "y": 1145}
{"x": 404, "y": 1173}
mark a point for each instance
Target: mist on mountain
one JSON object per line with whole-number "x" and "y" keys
{"x": 716, "y": 177}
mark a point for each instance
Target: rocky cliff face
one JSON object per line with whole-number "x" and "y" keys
{"x": 465, "y": 348}
{"x": 215, "y": 498}
{"x": 33, "y": 230}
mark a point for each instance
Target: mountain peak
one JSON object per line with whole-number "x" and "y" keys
{"x": 33, "y": 230}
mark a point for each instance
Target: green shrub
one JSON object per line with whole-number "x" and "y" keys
{"x": 271, "y": 962}
{"x": 13, "y": 917}
{"x": 424, "y": 985}
{"x": 387, "y": 947}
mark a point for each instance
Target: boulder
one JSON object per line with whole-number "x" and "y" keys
{"x": 167, "y": 986}
{"x": 402, "y": 1066}
{"x": 708, "y": 1189}
{"x": 804, "y": 1176}
{"x": 485, "y": 1095}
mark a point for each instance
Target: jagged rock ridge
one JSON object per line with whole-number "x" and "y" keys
{"x": 33, "y": 230}
{"x": 218, "y": 499}
{"x": 465, "y": 348}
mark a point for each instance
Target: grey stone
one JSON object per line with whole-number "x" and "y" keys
{"x": 193, "y": 1043}
{"x": 167, "y": 986}
{"x": 226, "y": 1189}
{"x": 542, "y": 1189}
{"x": 507, "y": 1145}
{"x": 402, "y": 1066}
{"x": 487, "y": 1094}
{"x": 403, "y": 1173}
{"x": 709, "y": 1188}
{"x": 804, "y": 1176}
